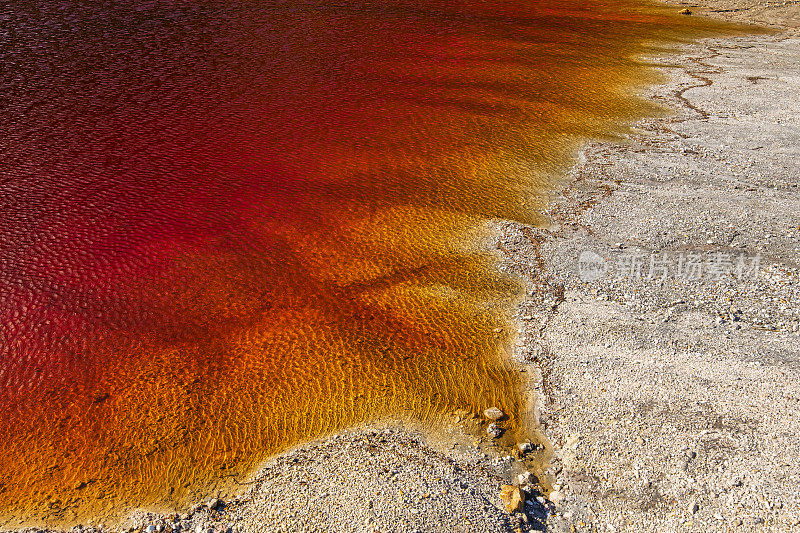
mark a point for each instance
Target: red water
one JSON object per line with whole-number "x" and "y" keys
{"x": 229, "y": 227}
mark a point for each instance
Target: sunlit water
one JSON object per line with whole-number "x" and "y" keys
{"x": 228, "y": 227}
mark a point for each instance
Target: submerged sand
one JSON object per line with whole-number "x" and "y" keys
{"x": 671, "y": 406}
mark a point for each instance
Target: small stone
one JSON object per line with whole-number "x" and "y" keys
{"x": 525, "y": 478}
{"x": 694, "y": 507}
{"x": 513, "y": 498}
{"x": 493, "y": 413}
{"x": 685, "y": 12}
{"x": 556, "y": 496}
{"x": 525, "y": 447}
{"x": 214, "y": 504}
{"x": 150, "y": 529}
{"x": 494, "y": 430}
{"x": 572, "y": 440}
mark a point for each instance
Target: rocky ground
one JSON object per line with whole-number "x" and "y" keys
{"x": 783, "y": 15}
{"x": 672, "y": 373}
{"x": 671, "y": 398}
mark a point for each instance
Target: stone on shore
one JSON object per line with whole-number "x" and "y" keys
{"x": 513, "y": 498}
{"x": 494, "y": 430}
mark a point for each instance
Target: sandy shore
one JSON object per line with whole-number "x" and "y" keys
{"x": 671, "y": 402}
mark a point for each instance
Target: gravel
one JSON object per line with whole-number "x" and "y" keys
{"x": 672, "y": 403}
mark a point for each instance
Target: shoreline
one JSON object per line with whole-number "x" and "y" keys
{"x": 669, "y": 402}
{"x": 435, "y": 488}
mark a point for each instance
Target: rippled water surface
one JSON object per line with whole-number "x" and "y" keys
{"x": 227, "y": 227}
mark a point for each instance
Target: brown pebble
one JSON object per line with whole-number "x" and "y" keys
{"x": 513, "y": 498}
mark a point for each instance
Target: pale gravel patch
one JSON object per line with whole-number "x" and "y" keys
{"x": 673, "y": 405}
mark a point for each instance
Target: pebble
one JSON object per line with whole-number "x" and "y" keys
{"x": 214, "y": 504}
{"x": 525, "y": 447}
{"x": 556, "y": 496}
{"x": 494, "y": 430}
{"x": 150, "y": 529}
{"x": 493, "y": 413}
{"x": 513, "y": 498}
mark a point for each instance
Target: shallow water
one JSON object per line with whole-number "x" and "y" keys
{"x": 229, "y": 227}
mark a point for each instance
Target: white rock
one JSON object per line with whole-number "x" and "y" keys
{"x": 493, "y": 413}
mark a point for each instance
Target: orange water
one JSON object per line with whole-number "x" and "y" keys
{"x": 228, "y": 227}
